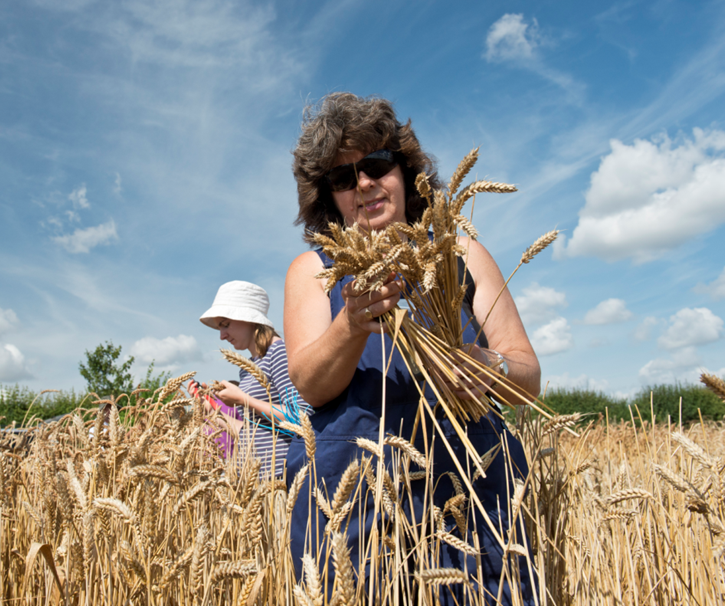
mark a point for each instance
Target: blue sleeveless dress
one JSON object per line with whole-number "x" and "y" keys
{"x": 356, "y": 412}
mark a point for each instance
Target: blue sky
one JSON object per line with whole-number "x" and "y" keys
{"x": 145, "y": 159}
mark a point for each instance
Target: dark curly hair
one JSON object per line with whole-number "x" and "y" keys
{"x": 342, "y": 123}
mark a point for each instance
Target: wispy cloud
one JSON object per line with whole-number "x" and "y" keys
{"x": 716, "y": 288}
{"x": 683, "y": 364}
{"x": 8, "y": 320}
{"x": 512, "y": 40}
{"x": 643, "y": 332}
{"x": 168, "y": 352}
{"x": 79, "y": 197}
{"x": 83, "y": 240}
{"x": 552, "y": 338}
{"x": 539, "y": 304}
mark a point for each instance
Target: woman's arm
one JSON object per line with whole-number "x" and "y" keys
{"x": 277, "y": 370}
{"x": 322, "y": 351}
{"x": 503, "y": 329}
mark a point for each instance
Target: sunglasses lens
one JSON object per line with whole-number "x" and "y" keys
{"x": 376, "y": 168}
{"x": 376, "y": 165}
{"x": 341, "y": 178}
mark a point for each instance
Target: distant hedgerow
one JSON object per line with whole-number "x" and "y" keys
{"x": 664, "y": 400}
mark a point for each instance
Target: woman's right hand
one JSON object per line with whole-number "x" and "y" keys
{"x": 363, "y": 311}
{"x": 320, "y": 345}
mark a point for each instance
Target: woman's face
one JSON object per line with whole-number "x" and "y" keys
{"x": 239, "y": 334}
{"x": 375, "y": 203}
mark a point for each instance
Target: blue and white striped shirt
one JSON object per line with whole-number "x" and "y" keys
{"x": 259, "y": 440}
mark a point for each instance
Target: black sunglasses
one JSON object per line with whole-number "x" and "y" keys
{"x": 374, "y": 165}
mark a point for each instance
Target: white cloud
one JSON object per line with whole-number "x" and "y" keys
{"x": 552, "y": 338}
{"x": 12, "y": 364}
{"x": 649, "y": 197}
{"x": 716, "y": 288}
{"x": 538, "y": 304}
{"x": 83, "y": 240}
{"x": 510, "y": 39}
{"x": 583, "y": 382}
{"x": 689, "y": 327}
{"x": 8, "y": 320}
{"x": 166, "y": 352}
{"x": 682, "y": 365}
{"x": 610, "y": 311}
{"x": 79, "y": 197}
{"x": 643, "y": 332}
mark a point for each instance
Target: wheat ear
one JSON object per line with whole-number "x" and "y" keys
{"x": 345, "y": 593}
{"x": 462, "y": 170}
{"x": 443, "y": 576}
{"x": 246, "y": 364}
{"x": 714, "y": 384}
{"x": 540, "y": 244}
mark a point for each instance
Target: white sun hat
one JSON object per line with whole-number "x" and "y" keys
{"x": 238, "y": 300}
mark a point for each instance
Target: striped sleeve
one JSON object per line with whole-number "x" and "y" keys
{"x": 258, "y": 440}
{"x": 278, "y": 373}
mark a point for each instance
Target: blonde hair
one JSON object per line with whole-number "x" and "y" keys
{"x": 263, "y": 336}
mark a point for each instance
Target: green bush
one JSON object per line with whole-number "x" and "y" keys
{"x": 665, "y": 400}
{"x": 592, "y": 403}
{"x": 20, "y": 403}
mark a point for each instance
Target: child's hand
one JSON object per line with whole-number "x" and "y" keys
{"x": 231, "y": 395}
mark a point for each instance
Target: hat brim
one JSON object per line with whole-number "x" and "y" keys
{"x": 215, "y": 313}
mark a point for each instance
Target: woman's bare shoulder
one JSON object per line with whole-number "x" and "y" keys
{"x": 309, "y": 261}
{"x": 481, "y": 264}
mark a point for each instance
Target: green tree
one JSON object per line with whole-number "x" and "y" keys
{"x": 104, "y": 374}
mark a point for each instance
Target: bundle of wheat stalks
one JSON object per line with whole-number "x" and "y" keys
{"x": 425, "y": 255}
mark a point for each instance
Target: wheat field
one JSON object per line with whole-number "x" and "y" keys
{"x": 137, "y": 506}
{"x": 140, "y": 509}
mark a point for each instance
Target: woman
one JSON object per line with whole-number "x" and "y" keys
{"x": 355, "y": 163}
{"x": 239, "y": 313}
